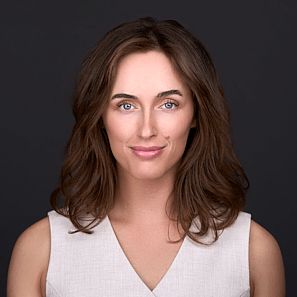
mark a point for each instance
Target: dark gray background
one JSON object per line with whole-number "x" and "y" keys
{"x": 253, "y": 45}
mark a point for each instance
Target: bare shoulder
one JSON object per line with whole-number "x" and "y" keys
{"x": 29, "y": 261}
{"x": 267, "y": 274}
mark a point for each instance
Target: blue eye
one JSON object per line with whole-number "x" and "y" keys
{"x": 126, "y": 106}
{"x": 170, "y": 105}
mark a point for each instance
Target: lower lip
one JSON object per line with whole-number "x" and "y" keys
{"x": 147, "y": 154}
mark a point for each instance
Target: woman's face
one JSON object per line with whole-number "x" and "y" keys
{"x": 150, "y": 109}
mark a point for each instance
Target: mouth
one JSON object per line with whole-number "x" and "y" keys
{"x": 147, "y": 148}
{"x": 147, "y": 152}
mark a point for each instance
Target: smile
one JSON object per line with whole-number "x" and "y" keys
{"x": 147, "y": 152}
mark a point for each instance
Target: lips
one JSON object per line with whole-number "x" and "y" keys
{"x": 147, "y": 152}
{"x": 146, "y": 149}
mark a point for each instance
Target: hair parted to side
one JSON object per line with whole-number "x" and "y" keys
{"x": 210, "y": 182}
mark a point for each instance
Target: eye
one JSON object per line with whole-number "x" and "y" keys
{"x": 170, "y": 104}
{"x": 125, "y": 106}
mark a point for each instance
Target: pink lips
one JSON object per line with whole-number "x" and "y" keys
{"x": 147, "y": 152}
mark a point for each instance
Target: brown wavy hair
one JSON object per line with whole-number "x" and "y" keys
{"x": 210, "y": 182}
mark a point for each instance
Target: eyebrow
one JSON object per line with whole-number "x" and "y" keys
{"x": 160, "y": 95}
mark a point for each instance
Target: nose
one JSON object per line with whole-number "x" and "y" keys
{"x": 148, "y": 126}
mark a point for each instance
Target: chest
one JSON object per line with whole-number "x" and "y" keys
{"x": 149, "y": 252}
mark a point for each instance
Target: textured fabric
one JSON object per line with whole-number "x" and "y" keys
{"x": 95, "y": 265}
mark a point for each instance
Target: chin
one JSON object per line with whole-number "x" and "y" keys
{"x": 149, "y": 172}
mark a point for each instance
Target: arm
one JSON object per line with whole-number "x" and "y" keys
{"x": 29, "y": 262}
{"x": 267, "y": 275}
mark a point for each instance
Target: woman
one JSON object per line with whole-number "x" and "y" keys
{"x": 153, "y": 192}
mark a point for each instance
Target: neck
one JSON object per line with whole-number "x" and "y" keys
{"x": 143, "y": 201}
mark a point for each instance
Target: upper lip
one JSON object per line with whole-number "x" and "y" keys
{"x": 146, "y": 149}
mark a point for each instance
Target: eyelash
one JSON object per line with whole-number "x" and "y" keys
{"x": 169, "y": 101}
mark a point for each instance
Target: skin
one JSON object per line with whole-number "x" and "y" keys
{"x": 147, "y": 122}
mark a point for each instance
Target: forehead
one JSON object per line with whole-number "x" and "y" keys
{"x": 142, "y": 72}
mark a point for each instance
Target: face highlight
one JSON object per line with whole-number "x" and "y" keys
{"x": 149, "y": 107}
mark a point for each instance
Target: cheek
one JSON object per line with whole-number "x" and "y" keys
{"x": 174, "y": 125}
{"x": 120, "y": 127}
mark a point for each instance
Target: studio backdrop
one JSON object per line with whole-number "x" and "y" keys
{"x": 253, "y": 46}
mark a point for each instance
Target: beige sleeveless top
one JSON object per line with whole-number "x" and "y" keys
{"x": 89, "y": 265}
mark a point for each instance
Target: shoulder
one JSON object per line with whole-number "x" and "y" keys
{"x": 29, "y": 260}
{"x": 267, "y": 276}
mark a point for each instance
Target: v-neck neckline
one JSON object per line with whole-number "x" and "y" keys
{"x": 165, "y": 276}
